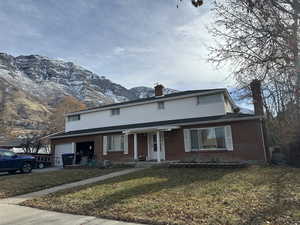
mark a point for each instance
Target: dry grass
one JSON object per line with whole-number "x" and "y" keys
{"x": 255, "y": 195}
{"x": 12, "y": 185}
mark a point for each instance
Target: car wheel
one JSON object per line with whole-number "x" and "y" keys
{"x": 26, "y": 168}
{"x": 41, "y": 166}
{"x": 12, "y": 172}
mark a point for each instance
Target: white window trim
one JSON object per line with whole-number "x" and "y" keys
{"x": 73, "y": 116}
{"x": 115, "y": 150}
{"x": 211, "y": 149}
{"x": 115, "y": 110}
{"x": 161, "y": 105}
{"x": 104, "y": 150}
{"x": 198, "y": 100}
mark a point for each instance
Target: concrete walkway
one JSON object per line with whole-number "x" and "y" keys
{"x": 13, "y": 214}
{"x": 21, "y": 198}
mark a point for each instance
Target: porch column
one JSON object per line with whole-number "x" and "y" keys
{"x": 158, "y": 145}
{"x": 135, "y": 146}
{"x": 74, "y": 152}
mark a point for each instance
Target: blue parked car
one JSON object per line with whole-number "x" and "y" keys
{"x": 11, "y": 162}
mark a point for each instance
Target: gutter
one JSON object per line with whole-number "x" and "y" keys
{"x": 221, "y": 121}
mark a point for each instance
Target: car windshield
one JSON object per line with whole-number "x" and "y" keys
{"x": 7, "y": 153}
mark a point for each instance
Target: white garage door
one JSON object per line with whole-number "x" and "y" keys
{"x": 62, "y": 149}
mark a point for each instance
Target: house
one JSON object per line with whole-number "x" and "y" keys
{"x": 199, "y": 125}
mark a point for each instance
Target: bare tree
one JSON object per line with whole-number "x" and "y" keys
{"x": 32, "y": 143}
{"x": 66, "y": 105}
{"x": 260, "y": 40}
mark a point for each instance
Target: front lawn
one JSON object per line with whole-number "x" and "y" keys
{"x": 12, "y": 185}
{"x": 255, "y": 195}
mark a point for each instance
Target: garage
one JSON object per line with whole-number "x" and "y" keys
{"x": 62, "y": 149}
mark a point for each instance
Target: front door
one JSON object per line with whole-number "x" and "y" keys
{"x": 152, "y": 146}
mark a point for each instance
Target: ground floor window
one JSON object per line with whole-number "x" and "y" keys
{"x": 115, "y": 143}
{"x": 210, "y": 138}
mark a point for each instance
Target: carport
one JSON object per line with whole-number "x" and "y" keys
{"x": 84, "y": 152}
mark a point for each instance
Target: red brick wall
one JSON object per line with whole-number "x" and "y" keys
{"x": 94, "y": 138}
{"x": 247, "y": 143}
{"x": 98, "y": 145}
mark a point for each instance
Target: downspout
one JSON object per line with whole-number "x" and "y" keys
{"x": 263, "y": 132}
{"x": 255, "y": 86}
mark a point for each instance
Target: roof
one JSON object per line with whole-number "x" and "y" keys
{"x": 211, "y": 119}
{"x": 145, "y": 100}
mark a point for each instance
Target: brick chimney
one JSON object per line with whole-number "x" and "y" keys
{"x": 159, "y": 90}
{"x": 255, "y": 86}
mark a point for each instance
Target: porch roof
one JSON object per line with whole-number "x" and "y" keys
{"x": 150, "y": 129}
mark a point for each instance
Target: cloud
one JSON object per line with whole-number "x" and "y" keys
{"x": 118, "y": 51}
{"x": 132, "y": 42}
{"x": 131, "y": 51}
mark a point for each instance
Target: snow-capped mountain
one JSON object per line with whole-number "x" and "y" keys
{"x": 145, "y": 92}
{"x": 31, "y": 85}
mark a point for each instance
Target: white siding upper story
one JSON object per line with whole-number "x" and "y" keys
{"x": 228, "y": 105}
{"x": 180, "y": 108}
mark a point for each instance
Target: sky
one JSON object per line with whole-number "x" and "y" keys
{"x": 131, "y": 42}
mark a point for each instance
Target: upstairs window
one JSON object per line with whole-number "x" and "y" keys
{"x": 161, "y": 105}
{"x": 115, "y": 112}
{"x": 198, "y": 100}
{"x": 208, "y": 99}
{"x": 73, "y": 118}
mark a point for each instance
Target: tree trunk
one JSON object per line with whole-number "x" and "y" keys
{"x": 296, "y": 55}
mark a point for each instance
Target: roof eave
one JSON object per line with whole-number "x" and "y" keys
{"x": 177, "y": 124}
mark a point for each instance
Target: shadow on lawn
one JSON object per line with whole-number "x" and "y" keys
{"x": 272, "y": 207}
{"x": 173, "y": 178}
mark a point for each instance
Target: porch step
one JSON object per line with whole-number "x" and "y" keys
{"x": 209, "y": 165}
{"x": 143, "y": 164}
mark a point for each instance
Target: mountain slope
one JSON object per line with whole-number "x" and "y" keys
{"x": 31, "y": 86}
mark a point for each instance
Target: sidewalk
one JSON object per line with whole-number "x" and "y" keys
{"x": 13, "y": 214}
{"x": 20, "y": 215}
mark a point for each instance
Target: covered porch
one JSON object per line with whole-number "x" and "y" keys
{"x": 145, "y": 142}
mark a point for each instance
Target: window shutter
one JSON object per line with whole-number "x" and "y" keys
{"x": 104, "y": 150}
{"x": 187, "y": 140}
{"x": 228, "y": 138}
{"x": 126, "y": 144}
